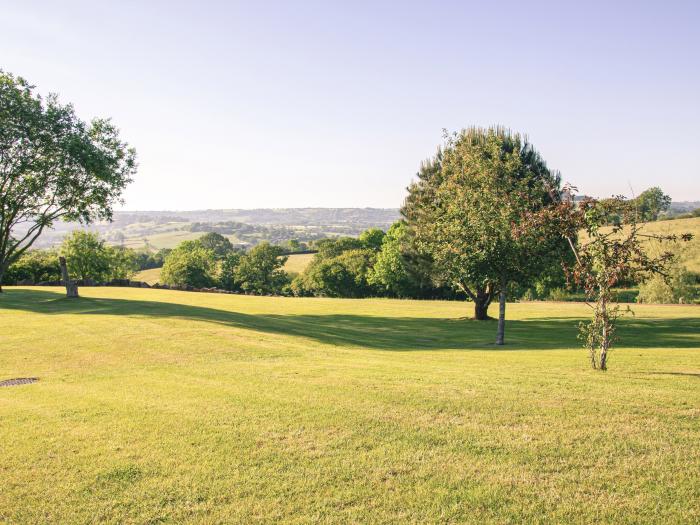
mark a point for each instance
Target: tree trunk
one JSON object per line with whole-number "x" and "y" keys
{"x": 482, "y": 300}
{"x": 501, "y": 333}
{"x": 605, "y": 337}
{"x": 481, "y": 311}
{"x": 71, "y": 287}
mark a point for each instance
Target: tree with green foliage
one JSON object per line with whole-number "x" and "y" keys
{"x": 651, "y": 203}
{"x": 122, "y": 262}
{"x": 295, "y": 245}
{"x": 605, "y": 257}
{"x": 464, "y": 210}
{"x": 54, "y": 167}
{"x": 219, "y": 245}
{"x": 227, "y": 272}
{"x": 328, "y": 248}
{"x": 260, "y": 270}
{"x": 87, "y": 256}
{"x": 189, "y": 265}
{"x": 34, "y": 266}
{"x": 342, "y": 275}
{"x": 391, "y": 271}
{"x": 372, "y": 238}
{"x": 676, "y": 287}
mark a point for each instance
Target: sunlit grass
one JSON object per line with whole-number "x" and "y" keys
{"x": 157, "y": 405}
{"x": 297, "y": 263}
{"x": 150, "y": 276}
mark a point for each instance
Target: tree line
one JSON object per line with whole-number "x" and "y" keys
{"x": 485, "y": 219}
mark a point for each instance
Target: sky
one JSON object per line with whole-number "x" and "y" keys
{"x": 335, "y": 104}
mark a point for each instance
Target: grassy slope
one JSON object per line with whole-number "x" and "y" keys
{"x": 298, "y": 263}
{"x": 689, "y": 251}
{"x": 171, "y": 406}
{"x": 151, "y": 276}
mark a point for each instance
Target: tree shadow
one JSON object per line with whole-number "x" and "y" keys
{"x": 382, "y": 333}
{"x": 686, "y": 374}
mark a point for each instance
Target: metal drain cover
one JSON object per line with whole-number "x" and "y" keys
{"x": 19, "y": 381}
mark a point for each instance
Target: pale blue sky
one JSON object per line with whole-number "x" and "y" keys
{"x": 284, "y": 104}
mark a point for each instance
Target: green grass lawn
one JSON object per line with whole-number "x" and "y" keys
{"x": 163, "y": 406}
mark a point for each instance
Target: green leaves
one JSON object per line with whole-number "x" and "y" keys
{"x": 465, "y": 208}
{"x": 53, "y": 166}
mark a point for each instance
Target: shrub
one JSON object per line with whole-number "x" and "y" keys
{"x": 87, "y": 256}
{"x": 189, "y": 265}
{"x": 260, "y": 270}
{"x": 676, "y": 288}
{"x": 34, "y": 265}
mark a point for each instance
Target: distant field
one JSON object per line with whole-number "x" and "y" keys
{"x": 163, "y": 406}
{"x": 689, "y": 252}
{"x": 150, "y": 276}
{"x": 168, "y": 239}
{"x": 298, "y": 263}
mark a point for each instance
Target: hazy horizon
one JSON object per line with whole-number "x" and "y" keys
{"x": 274, "y": 105}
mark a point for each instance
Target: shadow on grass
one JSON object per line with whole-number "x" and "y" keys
{"x": 385, "y": 333}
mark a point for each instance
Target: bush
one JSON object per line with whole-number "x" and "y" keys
{"x": 87, "y": 256}
{"x": 559, "y": 294}
{"x": 189, "y": 265}
{"x": 34, "y": 265}
{"x": 227, "y": 273}
{"x": 344, "y": 275}
{"x": 677, "y": 288}
{"x": 260, "y": 270}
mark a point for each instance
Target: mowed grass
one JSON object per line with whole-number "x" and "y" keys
{"x": 163, "y": 406}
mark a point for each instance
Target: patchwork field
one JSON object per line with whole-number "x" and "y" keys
{"x": 163, "y": 406}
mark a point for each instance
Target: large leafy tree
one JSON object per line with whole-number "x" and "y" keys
{"x": 651, "y": 203}
{"x": 87, "y": 256}
{"x": 464, "y": 210}
{"x": 260, "y": 269}
{"x": 53, "y": 166}
{"x": 189, "y": 265}
{"x": 217, "y": 243}
{"x": 391, "y": 272}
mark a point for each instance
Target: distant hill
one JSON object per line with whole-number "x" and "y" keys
{"x": 684, "y": 206}
{"x": 166, "y": 229}
{"x": 272, "y": 216}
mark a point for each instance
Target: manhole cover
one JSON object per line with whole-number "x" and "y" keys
{"x": 19, "y": 381}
